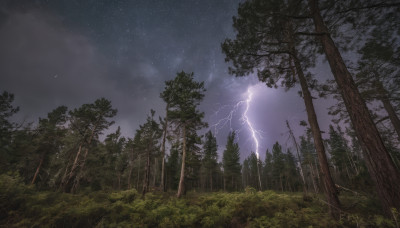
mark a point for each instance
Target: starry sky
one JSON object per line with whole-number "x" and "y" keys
{"x": 71, "y": 52}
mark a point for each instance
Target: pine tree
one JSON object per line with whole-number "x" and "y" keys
{"x": 48, "y": 140}
{"x": 291, "y": 175}
{"x": 231, "y": 163}
{"x": 149, "y": 135}
{"x": 308, "y": 155}
{"x": 118, "y": 157}
{"x": 278, "y": 166}
{"x": 339, "y": 152}
{"x": 267, "y": 170}
{"x": 210, "y": 158}
{"x": 183, "y": 113}
{"x": 6, "y": 129}
{"x": 86, "y": 124}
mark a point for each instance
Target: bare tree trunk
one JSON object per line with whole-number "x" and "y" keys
{"x": 37, "y": 170}
{"x": 138, "y": 175}
{"x": 182, "y": 177}
{"x": 378, "y": 160}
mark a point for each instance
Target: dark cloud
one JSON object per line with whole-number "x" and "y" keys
{"x": 73, "y": 52}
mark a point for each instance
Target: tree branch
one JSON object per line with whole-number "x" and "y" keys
{"x": 311, "y": 33}
{"x": 378, "y": 5}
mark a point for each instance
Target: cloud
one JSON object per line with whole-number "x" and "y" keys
{"x": 46, "y": 65}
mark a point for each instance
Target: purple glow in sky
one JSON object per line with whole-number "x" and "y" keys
{"x": 71, "y": 52}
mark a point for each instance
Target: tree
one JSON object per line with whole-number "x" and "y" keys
{"x": 117, "y": 156}
{"x": 210, "y": 158}
{"x": 278, "y": 166}
{"x": 48, "y": 140}
{"x": 339, "y": 151}
{"x": 86, "y": 124}
{"x": 378, "y": 160}
{"x": 166, "y": 96}
{"x": 149, "y": 134}
{"x": 290, "y": 172}
{"x": 308, "y": 155}
{"x": 250, "y": 171}
{"x": 6, "y": 127}
{"x": 231, "y": 163}
{"x": 267, "y": 170}
{"x": 268, "y": 40}
{"x": 299, "y": 163}
{"x": 183, "y": 112}
{"x": 173, "y": 166}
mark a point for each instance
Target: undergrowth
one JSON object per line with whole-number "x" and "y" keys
{"x": 23, "y": 206}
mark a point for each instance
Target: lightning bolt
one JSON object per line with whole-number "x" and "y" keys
{"x": 246, "y": 119}
{"x": 227, "y": 120}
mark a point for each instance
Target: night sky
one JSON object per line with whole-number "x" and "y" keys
{"x": 71, "y": 52}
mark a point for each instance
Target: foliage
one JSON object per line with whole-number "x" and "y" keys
{"x": 23, "y": 206}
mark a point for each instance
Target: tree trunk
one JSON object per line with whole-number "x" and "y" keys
{"x": 75, "y": 164}
{"x": 378, "y": 161}
{"x": 392, "y": 115}
{"x": 211, "y": 182}
{"x": 259, "y": 176}
{"x": 384, "y": 98}
{"x": 313, "y": 178}
{"x": 138, "y": 175}
{"x": 68, "y": 177}
{"x": 37, "y": 170}
{"x": 163, "y": 151}
{"x": 130, "y": 171}
{"x": 182, "y": 177}
{"x": 224, "y": 184}
{"x": 79, "y": 175}
{"x": 298, "y": 156}
{"x": 146, "y": 180}
{"x": 330, "y": 189}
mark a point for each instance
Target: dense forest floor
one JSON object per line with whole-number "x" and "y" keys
{"x": 24, "y": 206}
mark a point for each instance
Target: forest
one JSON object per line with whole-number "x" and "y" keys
{"x": 64, "y": 171}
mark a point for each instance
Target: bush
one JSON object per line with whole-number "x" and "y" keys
{"x": 23, "y": 206}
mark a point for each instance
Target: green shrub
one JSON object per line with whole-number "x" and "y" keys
{"x": 23, "y": 206}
